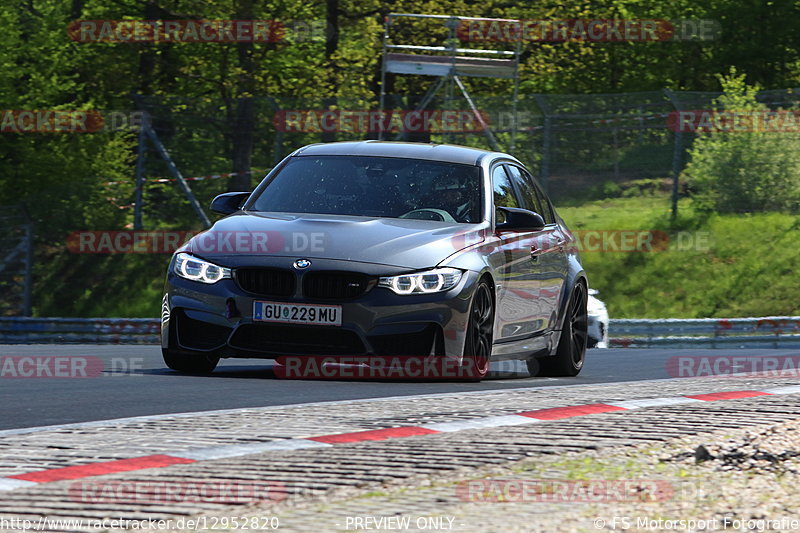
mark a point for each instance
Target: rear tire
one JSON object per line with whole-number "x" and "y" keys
{"x": 571, "y": 350}
{"x": 189, "y": 363}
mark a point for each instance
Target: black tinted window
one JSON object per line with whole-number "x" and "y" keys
{"x": 375, "y": 187}
{"x": 548, "y": 214}
{"x": 503, "y": 193}
{"x": 532, "y": 194}
{"x": 527, "y": 192}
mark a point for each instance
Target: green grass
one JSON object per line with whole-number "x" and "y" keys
{"x": 616, "y": 213}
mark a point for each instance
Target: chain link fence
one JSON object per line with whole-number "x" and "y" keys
{"x": 580, "y": 146}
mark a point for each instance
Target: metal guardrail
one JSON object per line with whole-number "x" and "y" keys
{"x": 19, "y": 330}
{"x": 765, "y": 332}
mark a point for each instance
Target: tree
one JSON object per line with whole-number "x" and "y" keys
{"x": 748, "y": 170}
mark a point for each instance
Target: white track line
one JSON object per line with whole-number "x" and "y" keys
{"x": 653, "y": 402}
{"x": 11, "y": 484}
{"x": 475, "y": 423}
{"x": 221, "y": 452}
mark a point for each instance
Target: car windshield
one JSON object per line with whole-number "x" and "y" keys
{"x": 374, "y": 187}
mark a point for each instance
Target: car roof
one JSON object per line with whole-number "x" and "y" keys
{"x": 446, "y": 153}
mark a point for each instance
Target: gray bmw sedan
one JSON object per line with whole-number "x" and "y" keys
{"x": 425, "y": 260}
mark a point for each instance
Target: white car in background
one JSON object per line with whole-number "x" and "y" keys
{"x": 598, "y": 321}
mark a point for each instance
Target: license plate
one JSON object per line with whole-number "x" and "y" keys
{"x": 323, "y": 315}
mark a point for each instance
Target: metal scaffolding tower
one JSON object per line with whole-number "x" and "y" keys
{"x": 449, "y": 62}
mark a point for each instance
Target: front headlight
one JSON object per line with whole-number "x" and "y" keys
{"x": 436, "y": 280}
{"x": 190, "y": 267}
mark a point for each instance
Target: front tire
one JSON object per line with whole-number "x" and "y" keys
{"x": 480, "y": 333}
{"x": 571, "y": 350}
{"x": 189, "y": 363}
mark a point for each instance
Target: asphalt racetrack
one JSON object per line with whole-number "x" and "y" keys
{"x": 135, "y": 382}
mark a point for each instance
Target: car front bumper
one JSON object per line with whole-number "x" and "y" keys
{"x": 218, "y": 319}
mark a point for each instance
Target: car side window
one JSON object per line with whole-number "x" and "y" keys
{"x": 549, "y": 213}
{"x": 531, "y": 189}
{"x": 530, "y": 199}
{"x": 503, "y": 193}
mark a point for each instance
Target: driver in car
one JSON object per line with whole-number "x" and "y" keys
{"x": 450, "y": 195}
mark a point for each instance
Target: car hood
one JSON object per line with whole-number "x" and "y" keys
{"x": 405, "y": 243}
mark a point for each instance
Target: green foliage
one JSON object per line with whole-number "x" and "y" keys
{"x": 59, "y": 176}
{"x": 610, "y": 189}
{"x": 744, "y": 171}
{"x": 125, "y": 285}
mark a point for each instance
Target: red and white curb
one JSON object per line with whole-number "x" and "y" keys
{"x": 525, "y": 417}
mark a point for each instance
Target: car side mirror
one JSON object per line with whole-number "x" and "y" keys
{"x": 228, "y": 203}
{"x": 520, "y": 220}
